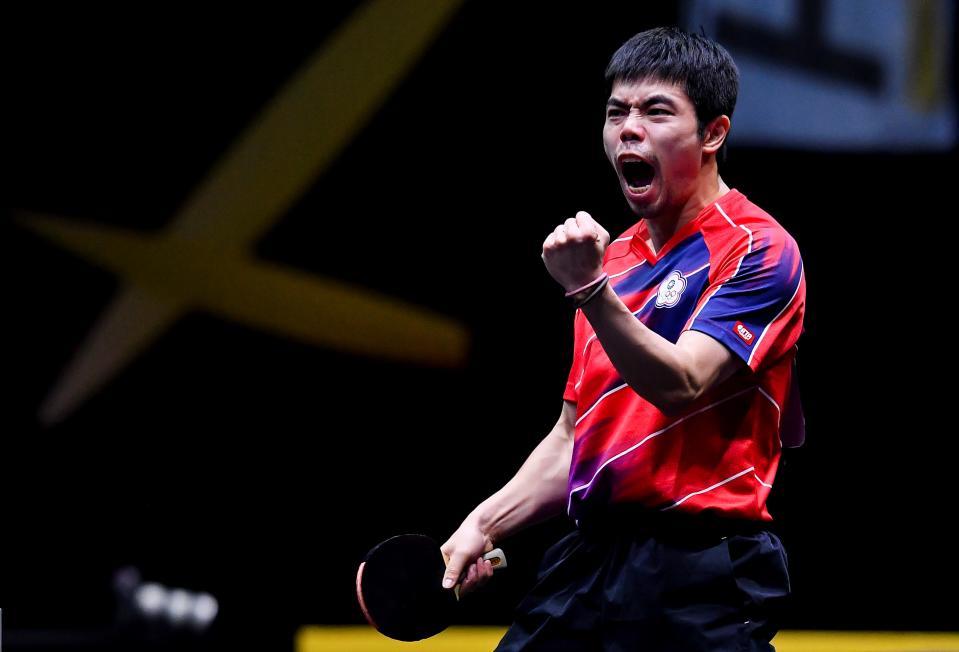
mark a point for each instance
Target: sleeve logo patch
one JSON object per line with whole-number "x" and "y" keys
{"x": 670, "y": 290}
{"x": 744, "y": 333}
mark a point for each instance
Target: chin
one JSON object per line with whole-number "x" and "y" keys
{"x": 642, "y": 206}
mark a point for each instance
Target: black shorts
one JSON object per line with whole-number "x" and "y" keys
{"x": 654, "y": 589}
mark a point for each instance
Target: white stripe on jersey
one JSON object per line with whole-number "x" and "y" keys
{"x": 707, "y": 489}
{"x": 593, "y": 406}
{"x": 749, "y": 250}
{"x": 773, "y": 401}
{"x": 645, "y": 439}
{"x": 766, "y": 329}
{"x": 778, "y": 418}
{"x": 761, "y": 481}
{"x": 628, "y": 269}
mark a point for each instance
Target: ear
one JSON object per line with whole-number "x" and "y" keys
{"x": 715, "y": 136}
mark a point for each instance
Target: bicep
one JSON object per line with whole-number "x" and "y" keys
{"x": 708, "y": 362}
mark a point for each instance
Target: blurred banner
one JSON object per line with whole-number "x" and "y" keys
{"x": 837, "y": 74}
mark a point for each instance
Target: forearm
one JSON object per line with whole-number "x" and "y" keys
{"x": 651, "y": 365}
{"x": 536, "y": 492}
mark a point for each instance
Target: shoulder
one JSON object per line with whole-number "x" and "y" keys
{"x": 737, "y": 226}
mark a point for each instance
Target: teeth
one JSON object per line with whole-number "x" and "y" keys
{"x": 640, "y": 190}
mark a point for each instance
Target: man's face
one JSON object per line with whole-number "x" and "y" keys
{"x": 651, "y": 138}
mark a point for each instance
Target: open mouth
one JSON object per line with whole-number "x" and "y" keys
{"x": 638, "y": 175}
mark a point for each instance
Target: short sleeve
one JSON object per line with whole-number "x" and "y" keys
{"x": 755, "y": 301}
{"x": 571, "y": 393}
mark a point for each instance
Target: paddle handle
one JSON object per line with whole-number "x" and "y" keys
{"x": 497, "y": 559}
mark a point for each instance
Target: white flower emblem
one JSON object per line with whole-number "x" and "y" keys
{"x": 670, "y": 290}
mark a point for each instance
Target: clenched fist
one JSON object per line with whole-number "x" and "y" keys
{"x": 573, "y": 253}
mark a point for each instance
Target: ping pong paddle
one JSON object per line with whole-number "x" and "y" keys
{"x": 399, "y": 587}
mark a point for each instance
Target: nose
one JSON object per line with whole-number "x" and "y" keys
{"x": 633, "y": 128}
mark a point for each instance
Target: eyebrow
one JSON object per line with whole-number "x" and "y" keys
{"x": 649, "y": 101}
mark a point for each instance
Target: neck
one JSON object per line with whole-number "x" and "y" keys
{"x": 708, "y": 189}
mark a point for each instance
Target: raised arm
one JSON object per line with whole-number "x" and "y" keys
{"x": 668, "y": 375}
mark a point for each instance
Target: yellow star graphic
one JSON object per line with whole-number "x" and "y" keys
{"x": 202, "y": 259}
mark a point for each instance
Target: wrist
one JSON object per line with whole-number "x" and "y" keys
{"x": 584, "y": 296}
{"x": 482, "y": 521}
{"x": 597, "y": 278}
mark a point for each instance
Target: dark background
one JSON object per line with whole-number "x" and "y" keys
{"x": 230, "y": 460}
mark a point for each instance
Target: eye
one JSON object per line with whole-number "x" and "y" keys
{"x": 614, "y": 113}
{"x": 659, "y": 112}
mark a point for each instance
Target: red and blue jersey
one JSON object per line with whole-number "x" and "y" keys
{"x": 736, "y": 275}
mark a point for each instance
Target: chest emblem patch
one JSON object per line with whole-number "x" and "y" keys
{"x": 670, "y": 290}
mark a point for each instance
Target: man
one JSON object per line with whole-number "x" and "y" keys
{"x": 669, "y": 436}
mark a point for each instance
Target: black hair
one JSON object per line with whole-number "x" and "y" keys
{"x": 702, "y": 67}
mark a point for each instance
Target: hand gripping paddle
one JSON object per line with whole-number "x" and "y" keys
{"x": 399, "y": 587}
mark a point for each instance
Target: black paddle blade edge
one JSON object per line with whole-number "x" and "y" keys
{"x": 400, "y": 589}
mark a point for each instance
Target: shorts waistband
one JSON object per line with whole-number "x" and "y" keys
{"x": 676, "y": 526}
